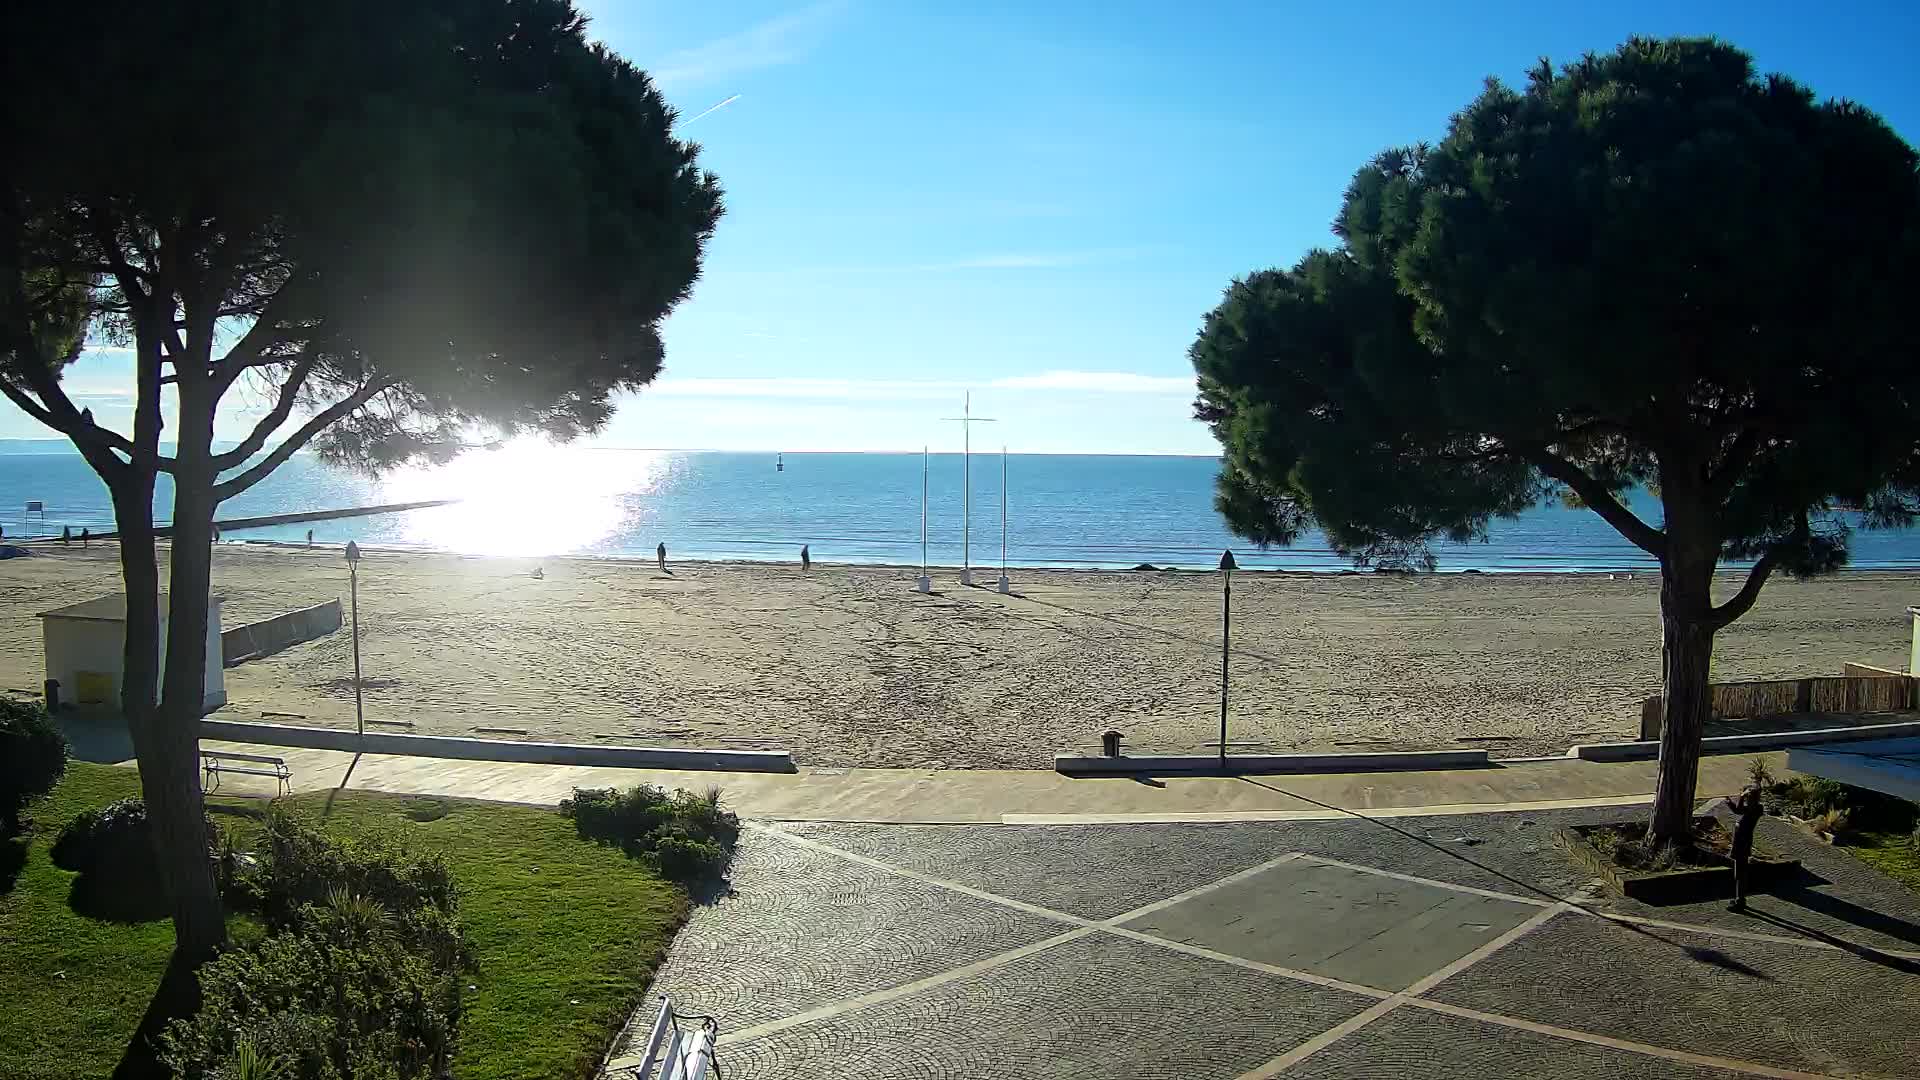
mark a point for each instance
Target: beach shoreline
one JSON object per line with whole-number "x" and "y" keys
{"x": 848, "y": 666}
{"x": 1636, "y": 571}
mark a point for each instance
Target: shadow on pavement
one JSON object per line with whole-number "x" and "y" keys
{"x": 1845, "y": 911}
{"x": 1712, "y": 957}
{"x": 327, "y": 811}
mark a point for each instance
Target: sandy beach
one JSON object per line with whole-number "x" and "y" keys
{"x": 846, "y": 666}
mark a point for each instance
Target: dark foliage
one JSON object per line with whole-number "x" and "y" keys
{"x": 33, "y": 758}
{"x": 686, "y": 837}
{"x": 112, "y": 850}
{"x": 1809, "y": 797}
{"x": 1647, "y": 267}
{"x": 299, "y": 865}
{"x": 360, "y": 977}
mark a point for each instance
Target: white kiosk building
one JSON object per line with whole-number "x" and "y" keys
{"x": 85, "y": 644}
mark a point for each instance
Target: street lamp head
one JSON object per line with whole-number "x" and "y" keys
{"x": 353, "y": 552}
{"x": 1226, "y": 561}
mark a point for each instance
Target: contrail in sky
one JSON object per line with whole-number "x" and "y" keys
{"x": 714, "y": 109}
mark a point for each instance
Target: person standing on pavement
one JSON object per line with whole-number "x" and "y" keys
{"x": 1747, "y": 805}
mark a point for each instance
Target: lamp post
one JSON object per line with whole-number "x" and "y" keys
{"x": 1227, "y": 567}
{"x": 353, "y": 577}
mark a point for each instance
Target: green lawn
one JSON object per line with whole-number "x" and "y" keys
{"x": 566, "y": 933}
{"x": 1890, "y": 853}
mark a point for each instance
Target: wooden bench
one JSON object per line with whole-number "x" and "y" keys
{"x": 215, "y": 762}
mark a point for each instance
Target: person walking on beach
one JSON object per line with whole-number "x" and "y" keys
{"x": 806, "y": 559}
{"x": 309, "y": 537}
{"x": 660, "y": 553}
{"x": 66, "y": 535}
{"x": 1747, "y": 805}
{"x": 86, "y": 537}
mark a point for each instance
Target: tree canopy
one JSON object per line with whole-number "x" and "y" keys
{"x": 1652, "y": 267}
{"x": 397, "y": 229}
{"x": 400, "y": 221}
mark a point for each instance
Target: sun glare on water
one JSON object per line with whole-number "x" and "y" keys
{"x": 526, "y": 499}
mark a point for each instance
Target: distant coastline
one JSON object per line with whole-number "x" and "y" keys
{"x": 1106, "y": 512}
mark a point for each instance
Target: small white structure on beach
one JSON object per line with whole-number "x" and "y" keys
{"x": 86, "y": 642}
{"x": 1913, "y": 654}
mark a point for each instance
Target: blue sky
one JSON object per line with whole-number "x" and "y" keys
{"x": 1038, "y": 202}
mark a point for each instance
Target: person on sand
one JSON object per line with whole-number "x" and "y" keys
{"x": 806, "y": 559}
{"x": 86, "y": 537}
{"x": 309, "y": 537}
{"x": 660, "y": 553}
{"x": 66, "y": 535}
{"x": 1747, "y": 805}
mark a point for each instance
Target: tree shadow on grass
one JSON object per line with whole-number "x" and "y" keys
{"x": 178, "y": 996}
{"x": 13, "y": 856}
{"x": 118, "y": 897}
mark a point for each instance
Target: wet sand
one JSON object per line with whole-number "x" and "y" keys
{"x": 848, "y": 666}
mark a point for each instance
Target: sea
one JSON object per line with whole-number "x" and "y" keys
{"x": 1030, "y": 510}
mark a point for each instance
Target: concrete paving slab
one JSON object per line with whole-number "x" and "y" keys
{"x": 1411, "y": 1042}
{"x": 1330, "y": 920}
{"x": 804, "y": 928}
{"x": 1095, "y": 872}
{"x": 1814, "y": 1010}
{"x": 1098, "y": 1006}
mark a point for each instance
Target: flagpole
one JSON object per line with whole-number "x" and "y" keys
{"x": 966, "y": 492}
{"x": 925, "y": 584}
{"x": 967, "y": 420}
{"x": 1003, "y": 587}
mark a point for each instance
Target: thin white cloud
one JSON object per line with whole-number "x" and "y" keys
{"x": 1099, "y": 382}
{"x": 994, "y": 260}
{"x": 776, "y": 41}
{"x": 1082, "y": 382}
{"x": 1014, "y": 260}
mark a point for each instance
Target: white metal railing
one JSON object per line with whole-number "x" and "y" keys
{"x": 680, "y": 1047}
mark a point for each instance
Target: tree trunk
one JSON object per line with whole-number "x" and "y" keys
{"x": 1686, "y": 601}
{"x": 179, "y": 824}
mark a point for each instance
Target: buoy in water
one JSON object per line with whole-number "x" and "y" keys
{"x": 779, "y": 463}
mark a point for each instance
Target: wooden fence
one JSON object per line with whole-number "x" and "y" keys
{"x": 1861, "y": 689}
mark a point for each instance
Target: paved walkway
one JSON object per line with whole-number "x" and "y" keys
{"x": 897, "y": 924}
{"x": 1004, "y": 796}
{"x": 1440, "y": 946}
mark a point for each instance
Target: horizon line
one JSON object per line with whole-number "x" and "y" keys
{"x": 727, "y": 450}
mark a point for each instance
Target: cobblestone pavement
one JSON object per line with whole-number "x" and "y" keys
{"x": 1439, "y": 947}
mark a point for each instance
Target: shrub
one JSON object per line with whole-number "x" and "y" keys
{"x": 115, "y": 839}
{"x": 1830, "y": 824}
{"x": 333, "y": 998}
{"x": 686, "y": 837}
{"x": 1810, "y": 798}
{"x": 300, "y": 865}
{"x": 33, "y": 758}
{"x": 112, "y": 850}
{"x": 1758, "y": 775}
{"x": 360, "y": 978}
